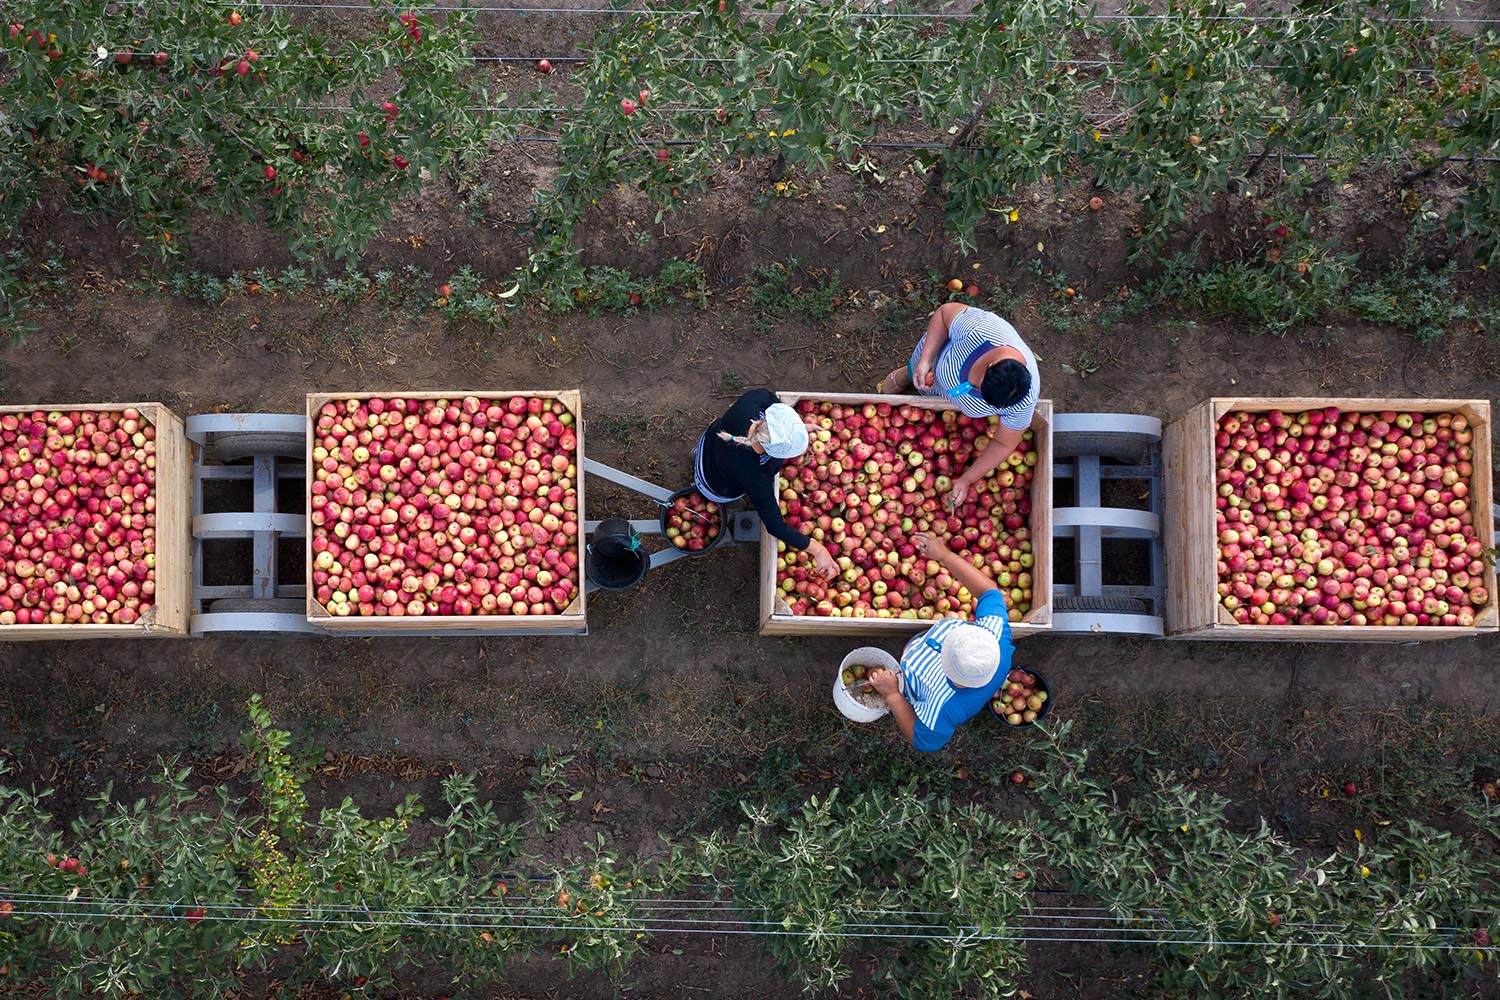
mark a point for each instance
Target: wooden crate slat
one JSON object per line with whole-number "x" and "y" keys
{"x": 170, "y": 610}
{"x": 573, "y": 619}
{"x": 174, "y": 529}
{"x": 1036, "y": 620}
{"x": 1193, "y": 608}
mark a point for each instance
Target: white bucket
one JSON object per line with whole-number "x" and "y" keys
{"x": 864, "y": 656}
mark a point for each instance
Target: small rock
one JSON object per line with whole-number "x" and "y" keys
{"x": 654, "y": 771}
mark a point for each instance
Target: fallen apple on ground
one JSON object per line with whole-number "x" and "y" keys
{"x": 693, "y": 522}
{"x": 445, "y": 507}
{"x": 873, "y": 476}
{"x": 78, "y": 509}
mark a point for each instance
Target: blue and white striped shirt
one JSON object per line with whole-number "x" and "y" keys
{"x": 972, "y": 332}
{"x": 940, "y": 705}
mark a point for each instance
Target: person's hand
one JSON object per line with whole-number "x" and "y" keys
{"x": 957, "y": 496}
{"x": 823, "y": 563}
{"x": 886, "y": 682}
{"x": 922, "y": 375}
{"x": 929, "y": 545}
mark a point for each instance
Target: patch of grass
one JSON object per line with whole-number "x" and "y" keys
{"x": 1308, "y": 281}
{"x": 899, "y": 317}
{"x": 1422, "y": 302}
{"x": 1274, "y": 296}
{"x": 819, "y": 299}
{"x": 608, "y": 720}
{"x": 24, "y": 278}
{"x": 773, "y": 785}
{"x": 777, "y": 295}
{"x": 1083, "y": 364}
{"x": 623, "y": 428}
{"x": 474, "y": 200}
{"x": 1003, "y": 300}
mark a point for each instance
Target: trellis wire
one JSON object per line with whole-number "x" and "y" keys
{"x": 1310, "y": 157}
{"x": 1027, "y": 935}
{"x": 459, "y": 915}
{"x": 862, "y": 14}
{"x": 146, "y": 49}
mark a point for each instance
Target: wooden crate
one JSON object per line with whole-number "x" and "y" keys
{"x": 776, "y": 617}
{"x": 1191, "y": 541}
{"x": 573, "y": 620}
{"x": 174, "y": 534}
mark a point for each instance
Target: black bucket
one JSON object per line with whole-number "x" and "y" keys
{"x": 614, "y": 558}
{"x": 723, "y": 519}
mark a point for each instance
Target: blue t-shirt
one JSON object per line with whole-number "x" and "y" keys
{"x": 940, "y": 705}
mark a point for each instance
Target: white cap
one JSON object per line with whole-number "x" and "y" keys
{"x": 971, "y": 655}
{"x": 788, "y": 434}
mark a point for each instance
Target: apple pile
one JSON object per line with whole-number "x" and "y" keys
{"x": 1329, "y": 517}
{"x": 692, "y": 522}
{"x": 1020, "y": 700}
{"x": 855, "y": 676}
{"x": 78, "y": 509}
{"x": 875, "y": 474}
{"x": 444, "y": 507}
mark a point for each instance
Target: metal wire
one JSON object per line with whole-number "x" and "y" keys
{"x": 860, "y": 15}
{"x": 1301, "y": 157}
{"x": 146, "y": 49}
{"x": 1025, "y": 935}
{"x": 466, "y": 914}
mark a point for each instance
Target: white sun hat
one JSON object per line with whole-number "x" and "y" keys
{"x": 971, "y": 655}
{"x": 788, "y": 434}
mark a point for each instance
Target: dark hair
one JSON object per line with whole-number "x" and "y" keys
{"x": 1005, "y": 384}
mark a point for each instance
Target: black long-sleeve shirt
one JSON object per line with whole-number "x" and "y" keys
{"x": 732, "y": 469}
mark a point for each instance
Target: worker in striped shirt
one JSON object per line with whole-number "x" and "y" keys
{"x": 979, "y": 361}
{"x": 954, "y": 668}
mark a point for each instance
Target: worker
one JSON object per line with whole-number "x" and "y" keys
{"x": 954, "y": 668}
{"x": 741, "y": 453}
{"x": 979, "y": 361}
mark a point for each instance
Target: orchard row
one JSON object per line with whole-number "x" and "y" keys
{"x": 174, "y": 894}
{"x": 152, "y": 114}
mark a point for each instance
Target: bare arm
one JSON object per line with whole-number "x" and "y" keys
{"x": 937, "y": 335}
{"x": 976, "y": 582}
{"x": 889, "y": 687}
{"x": 904, "y": 714}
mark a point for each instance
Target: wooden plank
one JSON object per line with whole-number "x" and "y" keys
{"x": 1353, "y": 404}
{"x": 1187, "y": 515}
{"x": 1193, "y": 609}
{"x": 1037, "y": 620}
{"x": 1482, "y": 494}
{"x": 174, "y": 526}
{"x": 172, "y": 574}
{"x": 572, "y": 620}
{"x": 1330, "y": 633}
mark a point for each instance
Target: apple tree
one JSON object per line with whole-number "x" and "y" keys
{"x": 156, "y": 113}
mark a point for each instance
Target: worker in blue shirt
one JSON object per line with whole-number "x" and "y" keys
{"x": 954, "y": 668}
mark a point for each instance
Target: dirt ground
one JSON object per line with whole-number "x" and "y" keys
{"x": 673, "y": 703}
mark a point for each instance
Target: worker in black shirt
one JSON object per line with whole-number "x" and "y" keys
{"x": 740, "y": 455}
